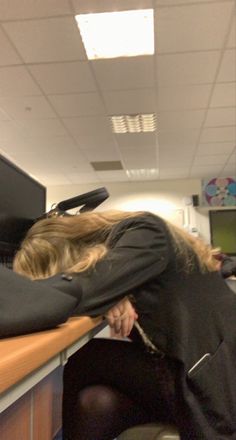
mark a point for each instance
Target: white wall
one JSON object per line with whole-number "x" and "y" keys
{"x": 166, "y": 198}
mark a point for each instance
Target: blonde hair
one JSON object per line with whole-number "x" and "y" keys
{"x": 185, "y": 243}
{"x": 76, "y": 243}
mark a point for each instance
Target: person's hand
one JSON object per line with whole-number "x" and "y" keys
{"x": 121, "y": 318}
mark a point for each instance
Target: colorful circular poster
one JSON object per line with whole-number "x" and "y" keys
{"x": 221, "y": 191}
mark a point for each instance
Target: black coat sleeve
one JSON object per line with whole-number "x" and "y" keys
{"x": 228, "y": 267}
{"x": 27, "y": 306}
{"x": 138, "y": 254}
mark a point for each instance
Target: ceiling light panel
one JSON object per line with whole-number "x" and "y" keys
{"x": 143, "y": 174}
{"x": 117, "y": 34}
{"x": 133, "y": 123}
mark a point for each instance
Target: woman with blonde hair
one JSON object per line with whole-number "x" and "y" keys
{"x": 138, "y": 269}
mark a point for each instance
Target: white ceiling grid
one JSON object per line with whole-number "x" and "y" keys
{"x": 55, "y": 103}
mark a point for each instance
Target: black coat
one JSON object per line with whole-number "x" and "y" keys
{"x": 228, "y": 267}
{"x": 191, "y": 316}
{"x": 27, "y": 306}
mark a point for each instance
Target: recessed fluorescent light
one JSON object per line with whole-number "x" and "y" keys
{"x": 117, "y": 34}
{"x": 143, "y": 173}
{"x": 133, "y": 123}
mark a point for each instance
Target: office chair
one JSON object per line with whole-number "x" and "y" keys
{"x": 150, "y": 431}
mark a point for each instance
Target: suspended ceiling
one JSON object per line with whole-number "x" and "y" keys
{"x": 55, "y": 103}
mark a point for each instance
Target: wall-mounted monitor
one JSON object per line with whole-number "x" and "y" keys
{"x": 22, "y": 199}
{"x": 223, "y": 230}
{"x": 20, "y": 194}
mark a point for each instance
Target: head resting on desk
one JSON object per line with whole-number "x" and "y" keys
{"x": 76, "y": 243}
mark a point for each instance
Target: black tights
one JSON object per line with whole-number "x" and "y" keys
{"x": 111, "y": 385}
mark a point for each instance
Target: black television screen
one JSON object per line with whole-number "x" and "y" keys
{"x": 20, "y": 194}
{"x": 223, "y": 230}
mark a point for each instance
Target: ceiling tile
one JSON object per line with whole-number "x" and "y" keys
{"x": 129, "y": 154}
{"x": 8, "y": 54}
{"x": 53, "y": 179}
{"x": 86, "y": 125}
{"x": 178, "y": 151}
{"x": 230, "y": 167}
{"x": 137, "y": 163}
{"x": 178, "y": 154}
{"x": 34, "y": 163}
{"x": 229, "y": 170}
{"x": 83, "y": 93}
{"x": 30, "y": 107}
{"x": 95, "y": 141}
{"x": 150, "y": 151}
{"x": 232, "y": 35}
{"x": 48, "y": 40}
{"x": 41, "y": 128}
{"x": 193, "y": 27}
{"x": 181, "y": 120}
{"x": 100, "y": 154}
{"x": 136, "y": 141}
{"x": 64, "y": 77}
{"x": 124, "y": 73}
{"x": 75, "y": 164}
{"x": 175, "y": 161}
{"x": 51, "y": 163}
{"x": 187, "y": 68}
{"x": 130, "y": 101}
{"x": 218, "y": 134}
{"x": 9, "y": 130}
{"x": 224, "y": 95}
{"x": 207, "y": 171}
{"x": 228, "y": 67}
{"x": 3, "y": 115}
{"x": 15, "y": 10}
{"x": 183, "y": 97}
{"x": 57, "y": 145}
{"x": 169, "y": 3}
{"x": 77, "y": 104}
{"x": 178, "y": 138}
{"x": 112, "y": 176}
{"x": 85, "y": 6}
{"x": 173, "y": 173}
{"x": 141, "y": 159}
{"x": 220, "y": 116}
{"x": 83, "y": 177}
{"x": 15, "y": 80}
{"x": 215, "y": 148}
{"x": 218, "y": 159}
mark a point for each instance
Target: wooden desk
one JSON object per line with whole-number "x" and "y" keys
{"x": 30, "y": 367}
